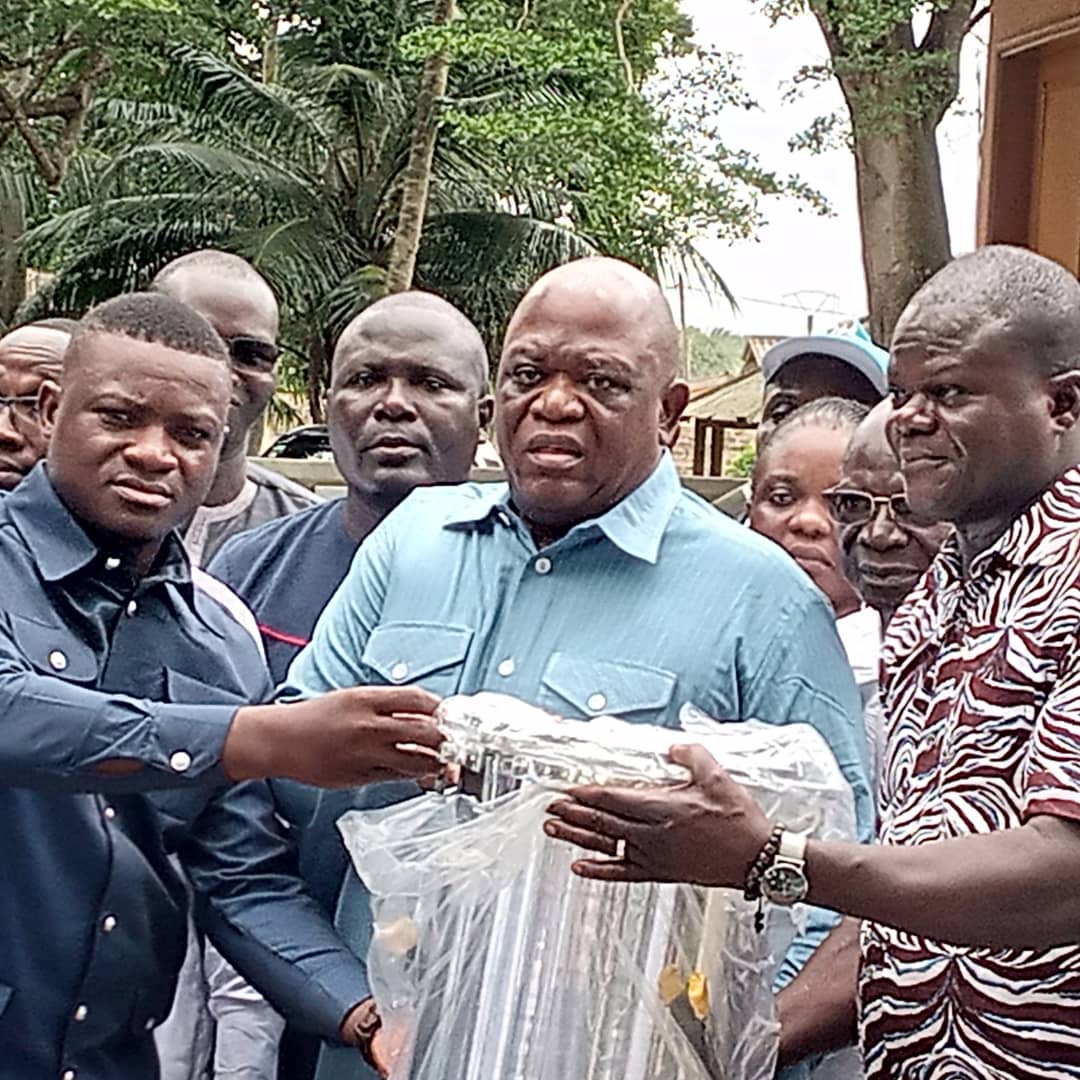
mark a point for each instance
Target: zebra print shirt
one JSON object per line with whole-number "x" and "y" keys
{"x": 981, "y": 685}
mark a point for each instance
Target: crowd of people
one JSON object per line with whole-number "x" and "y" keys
{"x": 202, "y": 666}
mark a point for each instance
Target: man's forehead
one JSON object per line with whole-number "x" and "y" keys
{"x": 122, "y": 359}
{"x": 32, "y": 345}
{"x": 430, "y": 341}
{"x": 235, "y": 305}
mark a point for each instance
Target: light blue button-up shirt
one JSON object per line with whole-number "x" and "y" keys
{"x": 658, "y": 602}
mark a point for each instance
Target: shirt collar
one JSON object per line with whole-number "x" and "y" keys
{"x": 1036, "y": 537}
{"x": 635, "y": 525}
{"x": 62, "y": 547}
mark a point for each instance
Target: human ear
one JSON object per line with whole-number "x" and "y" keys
{"x": 1065, "y": 400}
{"x": 672, "y": 406}
{"x": 47, "y": 404}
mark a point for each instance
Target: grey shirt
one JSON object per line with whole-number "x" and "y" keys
{"x": 266, "y": 495}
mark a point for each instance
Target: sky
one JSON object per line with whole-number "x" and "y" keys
{"x": 800, "y": 262}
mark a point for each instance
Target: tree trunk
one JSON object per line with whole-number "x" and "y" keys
{"x": 905, "y": 230}
{"x": 416, "y": 177}
{"x": 12, "y": 266}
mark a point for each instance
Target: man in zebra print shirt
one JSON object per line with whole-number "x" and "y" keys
{"x": 970, "y": 901}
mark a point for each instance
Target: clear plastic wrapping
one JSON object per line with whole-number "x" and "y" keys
{"x": 491, "y": 961}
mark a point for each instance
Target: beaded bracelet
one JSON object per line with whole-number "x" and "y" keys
{"x": 752, "y": 888}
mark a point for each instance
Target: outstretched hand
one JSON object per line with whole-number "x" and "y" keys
{"x": 706, "y": 831}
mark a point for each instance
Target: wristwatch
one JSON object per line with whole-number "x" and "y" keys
{"x": 784, "y": 880}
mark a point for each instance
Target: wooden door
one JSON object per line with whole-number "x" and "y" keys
{"x": 1055, "y": 207}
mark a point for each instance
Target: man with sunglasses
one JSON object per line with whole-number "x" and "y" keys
{"x": 29, "y": 355}
{"x": 239, "y": 304}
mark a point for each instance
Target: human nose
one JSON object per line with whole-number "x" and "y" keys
{"x": 812, "y": 519}
{"x": 558, "y": 402}
{"x": 395, "y": 402}
{"x": 151, "y": 451}
{"x": 912, "y": 417}
{"x": 10, "y": 435}
{"x": 881, "y": 532}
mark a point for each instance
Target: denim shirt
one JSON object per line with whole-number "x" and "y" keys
{"x": 658, "y": 602}
{"x": 94, "y": 667}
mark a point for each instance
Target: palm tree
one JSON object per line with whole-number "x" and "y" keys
{"x": 303, "y": 176}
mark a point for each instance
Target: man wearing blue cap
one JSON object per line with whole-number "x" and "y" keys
{"x": 802, "y": 369}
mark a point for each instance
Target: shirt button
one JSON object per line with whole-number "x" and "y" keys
{"x": 399, "y": 671}
{"x": 81, "y": 1012}
{"x": 109, "y": 812}
{"x": 597, "y": 702}
{"x": 68, "y": 1074}
{"x": 506, "y": 668}
{"x": 180, "y": 761}
{"x": 132, "y": 607}
{"x": 108, "y": 924}
{"x": 112, "y": 563}
{"x": 149, "y": 1025}
{"x": 57, "y": 660}
{"x": 542, "y": 565}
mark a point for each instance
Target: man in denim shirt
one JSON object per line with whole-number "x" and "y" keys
{"x": 124, "y": 687}
{"x": 593, "y": 582}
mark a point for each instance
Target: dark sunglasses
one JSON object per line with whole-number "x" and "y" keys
{"x": 253, "y": 353}
{"x": 857, "y": 508}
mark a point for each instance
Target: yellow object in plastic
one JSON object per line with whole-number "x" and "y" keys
{"x": 697, "y": 992}
{"x": 670, "y": 984}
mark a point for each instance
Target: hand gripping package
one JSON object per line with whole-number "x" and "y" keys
{"x": 491, "y": 961}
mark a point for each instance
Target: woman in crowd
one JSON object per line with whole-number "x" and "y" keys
{"x": 796, "y": 467}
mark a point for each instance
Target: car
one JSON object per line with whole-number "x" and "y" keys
{"x": 310, "y": 442}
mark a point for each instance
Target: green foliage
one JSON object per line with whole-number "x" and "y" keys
{"x": 742, "y": 464}
{"x": 718, "y": 352}
{"x": 279, "y": 130}
{"x": 888, "y": 76}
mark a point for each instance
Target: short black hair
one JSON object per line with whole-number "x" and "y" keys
{"x": 153, "y": 317}
{"x": 831, "y": 413}
{"x": 64, "y": 326}
{"x": 1030, "y": 299}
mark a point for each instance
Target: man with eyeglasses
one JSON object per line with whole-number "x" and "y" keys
{"x": 887, "y": 547}
{"x": 29, "y": 355}
{"x": 239, "y": 304}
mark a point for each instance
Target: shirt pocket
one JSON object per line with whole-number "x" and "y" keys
{"x": 425, "y": 654}
{"x": 52, "y": 649}
{"x": 576, "y": 687}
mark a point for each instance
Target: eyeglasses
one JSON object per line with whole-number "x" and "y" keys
{"x": 254, "y": 353}
{"x": 23, "y": 409}
{"x": 857, "y": 507}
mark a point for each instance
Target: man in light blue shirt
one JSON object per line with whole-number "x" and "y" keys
{"x": 593, "y": 582}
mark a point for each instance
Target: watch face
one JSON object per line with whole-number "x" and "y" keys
{"x": 784, "y": 884}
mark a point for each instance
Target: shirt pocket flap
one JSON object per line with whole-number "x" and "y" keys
{"x": 406, "y": 652}
{"x": 53, "y": 649}
{"x": 610, "y": 687}
{"x": 186, "y": 689}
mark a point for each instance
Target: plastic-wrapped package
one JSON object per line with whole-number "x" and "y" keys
{"x": 491, "y": 961}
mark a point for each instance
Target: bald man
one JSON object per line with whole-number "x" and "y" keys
{"x": 408, "y": 399}
{"x": 593, "y": 582}
{"x": 29, "y": 355}
{"x": 239, "y": 304}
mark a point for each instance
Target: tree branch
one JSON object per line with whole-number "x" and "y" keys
{"x": 48, "y": 168}
{"x": 46, "y": 63}
{"x": 948, "y": 25}
{"x": 978, "y": 17}
{"x": 620, "y": 43}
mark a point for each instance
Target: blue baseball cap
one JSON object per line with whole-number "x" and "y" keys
{"x": 856, "y": 349}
